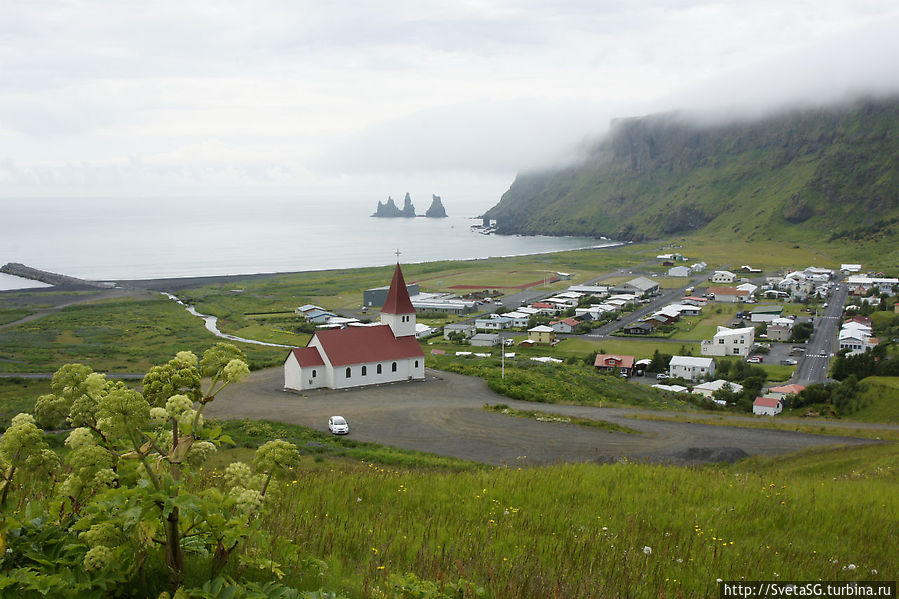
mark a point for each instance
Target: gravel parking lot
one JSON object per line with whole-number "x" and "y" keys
{"x": 444, "y": 415}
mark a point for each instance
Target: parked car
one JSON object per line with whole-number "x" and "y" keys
{"x": 754, "y": 360}
{"x": 661, "y": 377}
{"x": 338, "y": 425}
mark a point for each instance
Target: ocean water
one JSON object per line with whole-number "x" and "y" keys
{"x": 154, "y": 238}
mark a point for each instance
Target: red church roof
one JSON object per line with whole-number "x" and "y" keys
{"x": 357, "y": 345}
{"x": 398, "y": 301}
{"x": 307, "y": 356}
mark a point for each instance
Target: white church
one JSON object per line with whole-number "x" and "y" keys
{"x": 359, "y": 356}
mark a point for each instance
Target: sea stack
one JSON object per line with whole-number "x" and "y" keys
{"x": 408, "y": 208}
{"x": 436, "y": 210}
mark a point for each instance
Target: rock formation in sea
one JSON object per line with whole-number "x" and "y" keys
{"x": 390, "y": 209}
{"x": 436, "y": 209}
{"x": 387, "y": 209}
{"x": 408, "y": 208}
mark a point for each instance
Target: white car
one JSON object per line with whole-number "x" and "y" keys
{"x": 338, "y": 425}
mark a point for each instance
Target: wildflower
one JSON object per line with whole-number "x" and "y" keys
{"x": 647, "y": 549}
{"x": 851, "y": 566}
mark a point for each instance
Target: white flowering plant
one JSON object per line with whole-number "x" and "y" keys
{"x": 125, "y": 494}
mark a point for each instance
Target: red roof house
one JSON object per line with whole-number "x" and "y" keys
{"x": 767, "y": 406}
{"x": 606, "y": 362}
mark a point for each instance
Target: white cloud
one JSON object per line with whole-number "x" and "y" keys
{"x": 199, "y": 97}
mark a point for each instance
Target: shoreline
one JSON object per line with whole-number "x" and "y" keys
{"x": 179, "y": 283}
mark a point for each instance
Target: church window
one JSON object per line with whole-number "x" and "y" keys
{"x": 393, "y": 368}
{"x": 313, "y": 373}
{"x": 364, "y": 370}
{"x": 416, "y": 363}
{"x": 348, "y": 372}
{"x": 379, "y": 369}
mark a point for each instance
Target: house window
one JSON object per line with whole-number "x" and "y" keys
{"x": 348, "y": 372}
{"x": 721, "y": 341}
{"x": 416, "y": 363}
{"x": 379, "y": 369}
{"x": 393, "y": 368}
{"x": 736, "y": 351}
{"x": 313, "y": 373}
{"x": 364, "y": 370}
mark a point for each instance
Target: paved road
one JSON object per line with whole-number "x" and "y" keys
{"x": 444, "y": 415}
{"x": 821, "y": 347}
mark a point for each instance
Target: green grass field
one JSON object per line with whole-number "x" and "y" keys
{"x": 880, "y": 400}
{"x": 127, "y": 336}
{"x": 626, "y": 529}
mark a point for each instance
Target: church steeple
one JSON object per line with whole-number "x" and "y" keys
{"x": 398, "y": 311}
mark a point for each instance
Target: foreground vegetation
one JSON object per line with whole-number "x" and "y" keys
{"x": 144, "y": 498}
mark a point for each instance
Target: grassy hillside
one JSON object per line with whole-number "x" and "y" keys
{"x": 620, "y": 530}
{"x": 820, "y": 177}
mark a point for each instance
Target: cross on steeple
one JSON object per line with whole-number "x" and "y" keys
{"x": 397, "y": 252}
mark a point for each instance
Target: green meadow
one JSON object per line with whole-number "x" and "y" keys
{"x": 615, "y": 530}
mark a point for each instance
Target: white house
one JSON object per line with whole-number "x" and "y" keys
{"x": 466, "y": 330}
{"x": 767, "y": 406}
{"x": 493, "y": 323}
{"x": 486, "y": 340}
{"x": 690, "y": 368}
{"x": 358, "y": 356}
{"x": 723, "y": 276}
{"x": 729, "y": 342}
{"x": 698, "y": 267}
{"x": 642, "y": 286}
{"x": 748, "y": 287}
{"x": 708, "y": 389}
{"x": 519, "y": 319}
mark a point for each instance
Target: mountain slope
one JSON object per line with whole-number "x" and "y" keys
{"x": 811, "y": 175}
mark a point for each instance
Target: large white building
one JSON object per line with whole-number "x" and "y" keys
{"x": 729, "y": 342}
{"x": 359, "y": 356}
{"x": 690, "y": 368}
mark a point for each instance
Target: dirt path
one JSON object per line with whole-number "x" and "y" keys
{"x": 444, "y": 415}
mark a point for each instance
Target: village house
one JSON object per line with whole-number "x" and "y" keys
{"x": 542, "y": 334}
{"x": 639, "y": 328}
{"x": 641, "y": 287}
{"x": 766, "y": 313}
{"x": 780, "y": 329}
{"x": 723, "y": 276}
{"x": 608, "y": 362}
{"x": 782, "y": 391}
{"x": 358, "y": 356}
{"x": 486, "y": 340}
{"x": 767, "y": 406}
{"x": 494, "y": 322}
{"x": 729, "y": 342}
{"x": 708, "y": 389}
{"x": 690, "y": 368}
{"x": 519, "y": 319}
{"x": 466, "y": 330}
{"x": 566, "y": 325}
{"x": 728, "y": 294}
{"x": 679, "y": 271}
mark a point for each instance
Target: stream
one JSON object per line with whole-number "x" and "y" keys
{"x": 212, "y": 326}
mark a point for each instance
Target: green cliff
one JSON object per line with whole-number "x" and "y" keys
{"x": 820, "y": 175}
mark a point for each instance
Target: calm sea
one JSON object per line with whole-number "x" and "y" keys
{"x": 143, "y": 239}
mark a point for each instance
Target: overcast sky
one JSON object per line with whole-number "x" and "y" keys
{"x": 375, "y": 98}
